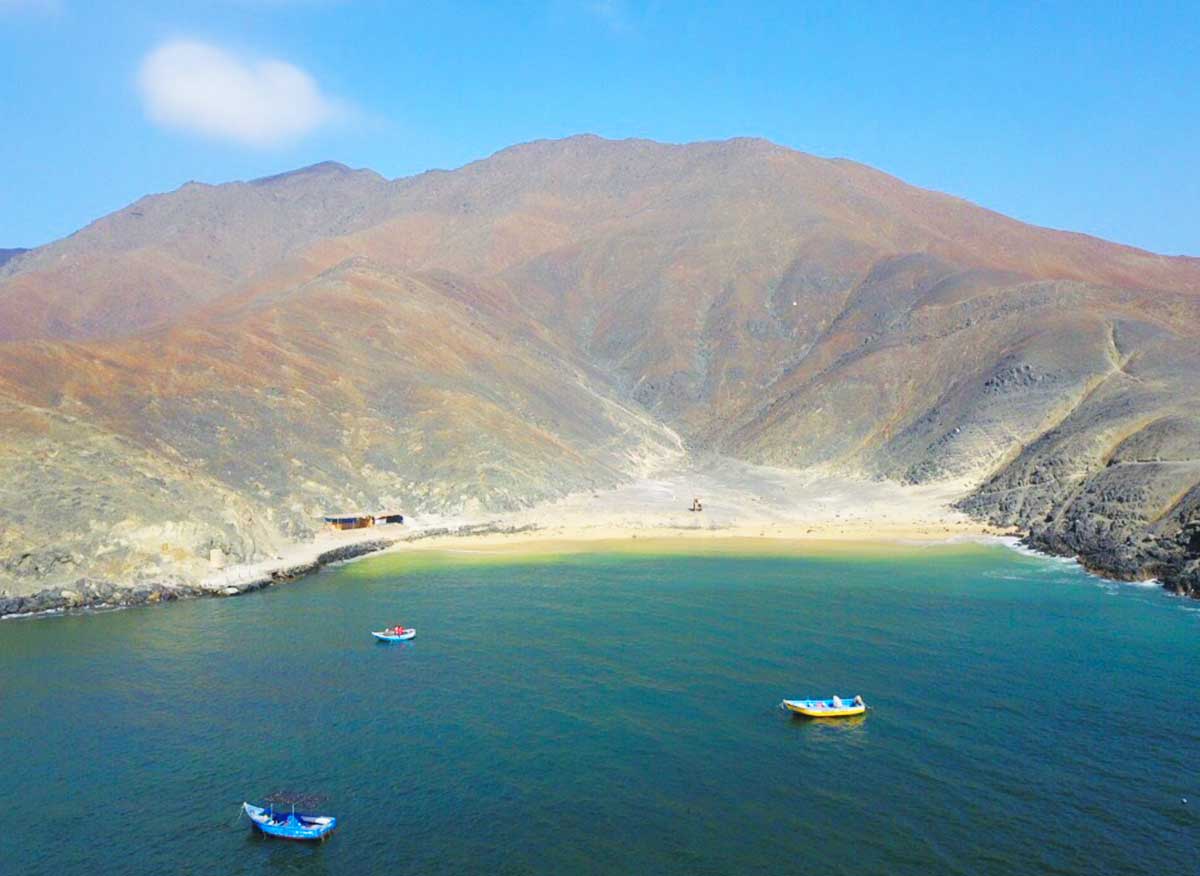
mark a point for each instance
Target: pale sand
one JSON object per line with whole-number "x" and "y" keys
{"x": 746, "y": 508}
{"x": 741, "y": 502}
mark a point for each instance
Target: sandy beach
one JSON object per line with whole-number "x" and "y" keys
{"x": 740, "y": 502}
{"x": 745, "y": 508}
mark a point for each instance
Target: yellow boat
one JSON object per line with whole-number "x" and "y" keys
{"x": 838, "y": 707}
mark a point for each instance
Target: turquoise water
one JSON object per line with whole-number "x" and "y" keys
{"x": 614, "y": 713}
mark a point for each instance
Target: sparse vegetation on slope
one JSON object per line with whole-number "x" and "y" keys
{"x": 216, "y": 366}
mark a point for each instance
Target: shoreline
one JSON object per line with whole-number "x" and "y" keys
{"x": 564, "y": 539}
{"x": 739, "y": 500}
{"x": 487, "y": 539}
{"x": 482, "y": 539}
{"x": 297, "y": 561}
{"x": 761, "y": 509}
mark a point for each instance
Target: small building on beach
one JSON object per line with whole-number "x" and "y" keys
{"x": 362, "y": 521}
{"x": 349, "y": 521}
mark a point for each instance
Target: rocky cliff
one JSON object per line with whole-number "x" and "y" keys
{"x": 216, "y": 366}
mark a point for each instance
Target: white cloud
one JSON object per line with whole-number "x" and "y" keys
{"x": 196, "y": 87}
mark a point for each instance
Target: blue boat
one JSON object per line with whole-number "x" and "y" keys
{"x": 291, "y": 825}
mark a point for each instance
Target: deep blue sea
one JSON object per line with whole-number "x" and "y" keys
{"x": 617, "y": 713}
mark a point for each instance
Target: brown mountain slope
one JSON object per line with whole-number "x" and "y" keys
{"x": 358, "y": 389}
{"x": 166, "y": 253}
{"x": 546, "y": 320}
{"x": 163, "y": 255}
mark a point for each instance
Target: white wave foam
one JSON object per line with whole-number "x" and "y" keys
{"x": 1148, "y": 582}
{"x": 1014, "y": 544}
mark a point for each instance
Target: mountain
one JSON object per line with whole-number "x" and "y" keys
{"x": 7, "y": 255}
{"x": 166, "y": 254}
{"x": 216, "y": 366}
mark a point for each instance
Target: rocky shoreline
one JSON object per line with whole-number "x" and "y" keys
{"x": 1175, "y": 564}
{"x": 98, "y": 595}
{"x": 1113, "y": 536}
{"x": 90, "y": 593}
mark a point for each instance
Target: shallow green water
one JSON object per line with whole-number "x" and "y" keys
{"x": 617, "y": 714}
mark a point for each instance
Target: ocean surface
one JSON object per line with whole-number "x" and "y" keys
{"x": 617, "y": 713}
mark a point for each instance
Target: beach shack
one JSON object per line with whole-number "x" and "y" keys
{"x": 389, "y": 517}
{"x": 349, "y": 521}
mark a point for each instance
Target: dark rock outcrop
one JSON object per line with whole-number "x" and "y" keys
{"x": 98, "y": 594}
{"x": 1132, "y": 520}
{"x": 87, "y": 593}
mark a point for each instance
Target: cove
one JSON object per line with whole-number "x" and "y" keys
{"x": 616, "y": 712}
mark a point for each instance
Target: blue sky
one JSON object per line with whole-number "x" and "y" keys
{"x": 1083, "y": 116}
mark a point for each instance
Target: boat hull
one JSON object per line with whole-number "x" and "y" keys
{"x": 392, "y": 637}
{"x": 823, "y": 709}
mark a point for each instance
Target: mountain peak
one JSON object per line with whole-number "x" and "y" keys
{"x": 588, "y": 143}
{"x": 321, "y": 168}
{"x": 7, "y": 255}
